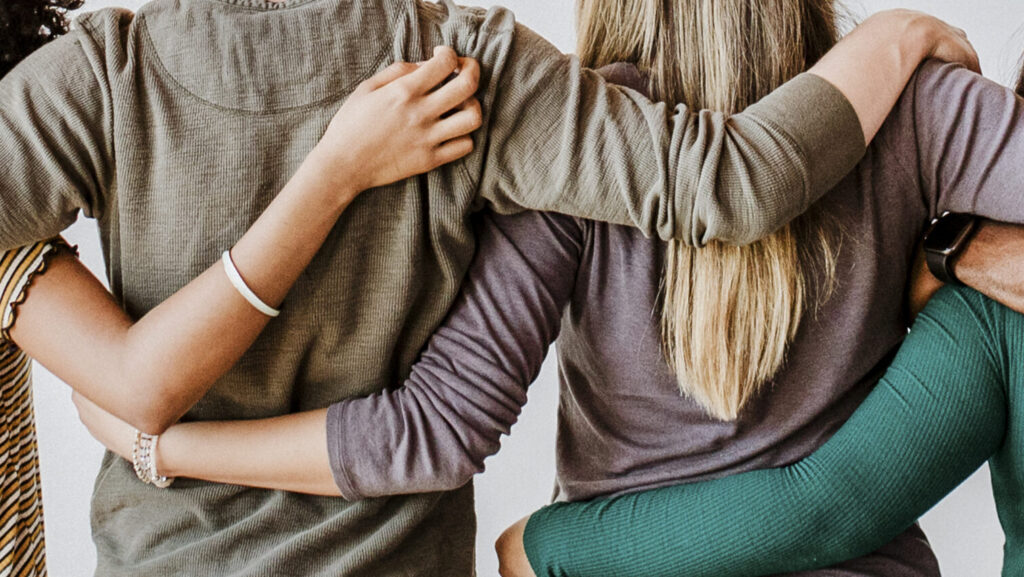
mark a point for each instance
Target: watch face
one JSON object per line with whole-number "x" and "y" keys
{"x": 948, "y": 231}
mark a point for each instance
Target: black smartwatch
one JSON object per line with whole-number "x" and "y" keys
{"x": 944, "y": 241}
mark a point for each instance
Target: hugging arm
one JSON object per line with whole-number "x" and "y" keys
{"x": 562, "y": 139}
{"x": 993, "y": 263}
{"x": 938, "y": 413}
{"x": 151, "y": 371}
{"x": 434, "y": 432}
{"x": 968, "y": 136}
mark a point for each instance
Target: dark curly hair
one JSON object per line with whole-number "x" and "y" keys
{"x": 25, "y": 25}
{"x": 1020, "y": 81}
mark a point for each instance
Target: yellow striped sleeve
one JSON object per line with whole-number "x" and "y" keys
{"x": 22, "y": 543}
{"x": 17, "y": 269}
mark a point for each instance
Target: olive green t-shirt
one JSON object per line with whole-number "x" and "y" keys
{"x": 175, "y": 126}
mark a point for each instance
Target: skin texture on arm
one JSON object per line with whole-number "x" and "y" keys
{"x": 287, "y": 453}
{"x": 435, "y": 431}
{"x": 889, "y": 65}
{"x": 611, "y": 155}
{"x": 991, "y": 263}
{"x": 152, "y": 371}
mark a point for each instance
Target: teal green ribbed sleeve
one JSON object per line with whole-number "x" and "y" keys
{"x": 938, "y": 413}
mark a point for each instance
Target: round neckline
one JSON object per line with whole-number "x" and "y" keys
{"x": 266, "y": 5}
{"x": 284, "y": 87}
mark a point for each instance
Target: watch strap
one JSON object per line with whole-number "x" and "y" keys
{"x": 939, "y": 263}
{"x": 945, "y": 240}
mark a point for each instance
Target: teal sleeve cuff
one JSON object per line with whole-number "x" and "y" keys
{"x": 537, "y": 541}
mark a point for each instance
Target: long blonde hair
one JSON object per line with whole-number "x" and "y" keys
{"x": 729, "y": 313}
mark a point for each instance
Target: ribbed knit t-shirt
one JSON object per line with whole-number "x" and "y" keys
{"x": 175, "y": 126}
{"x": 954, "y": 142}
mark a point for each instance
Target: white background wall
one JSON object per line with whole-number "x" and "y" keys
{"x": 963, "y": 529}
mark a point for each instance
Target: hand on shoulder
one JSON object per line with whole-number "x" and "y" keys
{"x": 406, "y": 120}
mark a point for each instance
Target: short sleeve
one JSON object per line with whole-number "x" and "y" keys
{"x": 56, "y": 143}
{"x": 18, "y": 268}
{"x": 967, "y": 142}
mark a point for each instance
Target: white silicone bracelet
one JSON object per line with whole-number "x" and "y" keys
{"x": 243, "y": 289}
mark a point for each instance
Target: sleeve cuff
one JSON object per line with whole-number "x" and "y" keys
{"x": 538, "y": 537}
{"x": 822, "y": 123}
{"x": 336, "y": 453}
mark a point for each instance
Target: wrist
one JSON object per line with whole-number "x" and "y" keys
{"x": 330, "y": 178}
{"x": 144, "y": 460}
{"x": 165, "y": 453}
{"x": 910, "y": 38}
{"x": 944, "y": 243}
{"x": 918, "y": 36}
{"x": 975, "y": 262}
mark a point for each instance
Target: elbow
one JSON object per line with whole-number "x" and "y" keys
{"x": 459, "y": 468}
{"x": 152, "y": 402}
{"x": 738, "y": 234}
{"x": 154, "y": 395}
{"x": 152, "y": 424}
{"x": 460, "y": 473}
{"x": 443, "y": 477}
{"x": 756, "y": 232}
{"x": 152, "y": 412}
{"x": 149, "y": 420}
{"x": 763, "y": 221}
{"x": 738, "y": 224}
{"x": 431, "y": 471}
{"x": 827, "y": 533}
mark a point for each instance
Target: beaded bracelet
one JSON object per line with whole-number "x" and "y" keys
{"x": 144, "y": 460}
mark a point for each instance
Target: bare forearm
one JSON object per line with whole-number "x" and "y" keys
{"x": 873, "y": 64}
{"x": 283, "y": 241}
{"x": 993, "y": 263}
{"x": 151, "y": 372}
{"x": 286, "y": 453}
{"x": 177, "y": 351}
